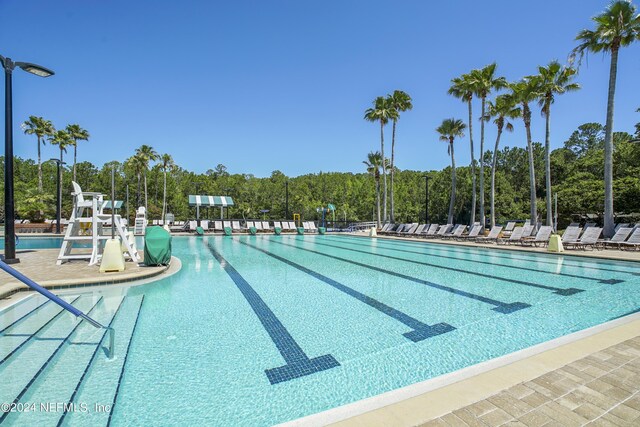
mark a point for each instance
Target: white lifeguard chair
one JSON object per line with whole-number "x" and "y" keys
{"x": 86, "y": 225}
{"x": 141, "y": 221}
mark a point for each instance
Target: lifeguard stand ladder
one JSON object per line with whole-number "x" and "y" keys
{"x": 82, "y": 229}
{"x": 141, "y": 222}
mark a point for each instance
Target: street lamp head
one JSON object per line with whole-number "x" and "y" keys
{"x": 57, "y": 161}
{"x": 38, "y": 70}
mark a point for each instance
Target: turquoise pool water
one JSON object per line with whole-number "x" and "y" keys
{"x": 258, "y": 330}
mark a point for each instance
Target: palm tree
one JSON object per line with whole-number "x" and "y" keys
{"x": 138, "y": 164}
{"x": 551, "y": 80}
{"x": 374, "y": 163}
{"x": 618, "y": 26}
{"x": 484, "y": 82}
{"x": 524, "y": 92}
{"x": 400, "y": 101}
{"x": 381, "y": 112}
{"x": 503, "y": 109}
{"x": 62, "y": 139}
{"x": 147, "y": 154}
{"x": 77, "y": 134}
{"x": 462, "y": 89}
{"x": 167, "y": 165}
{"x": 449, "y": 130}
{"x": 42, "y": 129}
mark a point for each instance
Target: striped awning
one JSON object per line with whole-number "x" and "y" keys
{"x": 222, "y": 201}
{"x": 107, "y": 204}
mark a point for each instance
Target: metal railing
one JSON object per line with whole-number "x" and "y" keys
{"x": 71, "y": 309}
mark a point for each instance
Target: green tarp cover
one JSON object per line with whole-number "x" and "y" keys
{"x": 157, "y": 246}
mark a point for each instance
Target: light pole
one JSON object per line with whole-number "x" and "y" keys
{"x": 59, "y": 193}
{"x": 426, "y": 199}
{"x": 286, "y": 199}
{"x": 9, "y": 217}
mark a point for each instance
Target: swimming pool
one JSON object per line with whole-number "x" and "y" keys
{"x": 258, "y": 330}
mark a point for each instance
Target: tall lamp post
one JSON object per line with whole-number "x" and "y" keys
{"x": 426, "y": 199}
{"x": 59, "y": 193}
{"x": 9, "y": 217}
{"x": 286, "y": 199}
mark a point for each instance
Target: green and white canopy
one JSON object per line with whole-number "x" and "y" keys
{"x": 208, "y": 201}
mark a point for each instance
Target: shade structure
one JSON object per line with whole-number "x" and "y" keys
{"x": 210, "y": 201}
{"x": 117, "y": 204}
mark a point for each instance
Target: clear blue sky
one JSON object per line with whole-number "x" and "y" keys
{"x": 265, "y": 85}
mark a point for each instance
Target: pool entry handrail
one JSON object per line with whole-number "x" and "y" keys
{"x": 62, "y": 303}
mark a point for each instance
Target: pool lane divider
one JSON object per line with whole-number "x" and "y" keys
{"x": 605, "y": 281}
{"x": 420, "y": 331}
{"x": 470, "y": 250}
{"x": 298, "y": 364}
{"x": 558, "y": 291}
{"x": 499, "y": 306}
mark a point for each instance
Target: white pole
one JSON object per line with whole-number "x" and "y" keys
{"x": 555, "y": 225}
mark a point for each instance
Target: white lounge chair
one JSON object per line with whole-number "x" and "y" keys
{"x": 514, "y": 237}
{"x": 633, "y": 242}
{"x": 493, "y": 235}
{"x": 589, "y": 239}
{"x": 541, "y": 238}
{"x": 265, "y": 226}
{"x": 618, "y": 238}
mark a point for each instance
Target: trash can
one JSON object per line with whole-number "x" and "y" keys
{"x": 277, "y": 230}
{"x": 253, "y": 231}
{"x": 322, "y": 230}
{"x": 157, "y": 246}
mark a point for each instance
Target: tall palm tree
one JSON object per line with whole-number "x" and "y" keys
{"x": 138, "y": 164}
{"x": 374, "y": 163}
{"x": 503, "y": 109}
{"x": 618, "y": 26}
{"x": 167, "y": 165}
{"x": 62, "y": 139}
{"x": 381, "y": 112}
{"x": 524, "y": 92}
{"x": 449, "y": 130}
{"x": 77, "y": 134}
{"x": 484, "y": 81}
{"x": 462, "y": 89}
{"x": 554, "y": 79}
{"x": 42, "y": 129}
{"x": 400, "y": 101}
{"x": 147, "y": 154}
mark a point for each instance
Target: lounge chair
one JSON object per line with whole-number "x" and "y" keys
{"x": 493, "y": 235}
{"x": 571, "y": 234}
{"x": 413, "y": 230}
{"x": 257, "y": 225}
{"x": 204, "y": 224}
{"x": 265, "y": 226}
{"x": 292, "y": 226}
{"x": 633, "y": 242}
{"x": 618, "y": 238}
{"x": 622, "y": 225}
{"x": 410, "y": 229}
{"x": 475, "y": 231}
{"x": 399, "y": 229}
{"x": 589, "y": 224}
{"x": 508, "y": 229}
{"x": 514, "y": 237}
{"x": 385, "y": 228}
{"x": 312, "y": 227}
{"x": 457, "y": 232}
{"x": 442, "y": 230}
{"x": 589, "y": 239}
{"x": 541, "y": 238}
{"x": 235, "y": 225}
{"x": 429, "y": 231}
{"x": 193, "y": 225}
{"x": 527, "y": 229}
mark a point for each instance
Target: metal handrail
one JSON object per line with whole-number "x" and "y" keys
{"x": 70, "y": 308}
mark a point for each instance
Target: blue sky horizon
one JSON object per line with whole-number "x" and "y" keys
{"x": 283, "y": 85}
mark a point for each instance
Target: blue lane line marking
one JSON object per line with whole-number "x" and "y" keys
{"x": 577, "y": 276}
{"x": 500, "y": 307}
{"x": 298, "y": 364}
{"x": 420, "y": 330}
{"x": 538, "y": 257}
{"x": 559, "y": 291}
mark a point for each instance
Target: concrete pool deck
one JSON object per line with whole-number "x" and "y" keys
{"x": 40, "y": 265}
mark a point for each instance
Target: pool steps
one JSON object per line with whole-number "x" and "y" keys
{"x": 68, "y": 357}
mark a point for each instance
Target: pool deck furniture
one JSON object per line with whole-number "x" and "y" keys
{"x": 541, "y": 238}
{"x": 457, "y": 232}
{"x": 633, "y": 242}
{"x": 430, "y": 231}
{"x": 442, "y": 230}
{"x": 492, "y": 236}
{"x": 620, "y": 237}
{"x": 571, "y": 234}
{"x": 513, "y": 238}
{"x": 475, "y": 232}
{"x": 589, "y": 239}
{"x": 410, "y": 229}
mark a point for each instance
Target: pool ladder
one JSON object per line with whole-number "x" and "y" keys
{"x": 62, "y": 303}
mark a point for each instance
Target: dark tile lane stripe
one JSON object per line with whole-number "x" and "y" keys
{"x": 298, "y": 363}
{"x": 482, "y": 252}
{"x": 499, "y": 306}
{"x": 420, "y": 330}
{"x": 559, "y": 291}
{"x": 24, "y": 316}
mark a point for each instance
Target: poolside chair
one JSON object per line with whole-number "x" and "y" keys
{"x": 475, "y": 231}
{"x": 409, "y": 229}
{"x": 493, "y": 235}
{"x": 541, "y": 238}
{"x": 399, "y": 229}
{"x": 385, "y": 227}
{"x": 312, "y": 227}
{"x": 622, "y": 225}
{"x": 617, "y": 239}
{"x": 265, "y": 226}
{"x": 443, "y": 230}
{"x": 514, "y": 237}
{"x": 633, "y": 242}
{"x": 204, "y": 224}
{"x": 571, "y": 234}
{"x": 193, "y": 225}
{"x": 249, "y": 224}
{"x": 508, "y": 229}
{"x": 305, "y": 225}
{"x": 430, "y": 231}
{"x": 292, "y": 225}
{"x": 457, "y": 232}
{"x": 235, "y": 225}
{"x": 276, "y": 224}
{"x": 589, "y": 239}
{"x": 527, "y": 229}
{"x": 257, "y": 225}
{"x": 413, "y": 230}
{"x": 285, "y": 226}
{"x": 589, "y": 224}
